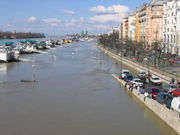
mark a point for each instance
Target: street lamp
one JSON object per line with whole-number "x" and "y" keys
{"x": 121, "y": 48}
{"x": 147, "y": 60}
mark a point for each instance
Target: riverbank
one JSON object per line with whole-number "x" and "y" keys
{"x": 171, "y": 118}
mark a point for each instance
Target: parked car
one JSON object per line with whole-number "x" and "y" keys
{"x": 176, "y": 92}
{"x": 155, "y": 80}
{"x": 153, "y": 92}
{"x": 128, "y": 78}
{"x": 162, "y": 97}
{"x": 169, "y": 88}
{"x": 175, "y": 104}
{"x": 124, "y": 73}
{"x": 137, "y": 82}
{"x": 168, "y": 102}
{"x": 142, "y": 74}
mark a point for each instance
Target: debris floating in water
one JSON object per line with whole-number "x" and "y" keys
{"x": 28, "y": 81}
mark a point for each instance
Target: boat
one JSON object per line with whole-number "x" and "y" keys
{"x": 8, "y": 56}
{"x": 7, "y": 53}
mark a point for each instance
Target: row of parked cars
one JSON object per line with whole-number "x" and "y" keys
{"x": 165, "y": 94}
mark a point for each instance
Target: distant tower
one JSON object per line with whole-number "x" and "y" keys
{"x": 86, "y": 33}
{"x": 82, "y": 33}
{"x": 15, "y": 34}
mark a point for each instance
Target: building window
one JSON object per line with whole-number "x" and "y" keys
{"x": 167, "y": 38}
{"x": 164, "y": 38}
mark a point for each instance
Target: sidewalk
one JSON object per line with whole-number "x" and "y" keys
{"x": 166, "y": 77}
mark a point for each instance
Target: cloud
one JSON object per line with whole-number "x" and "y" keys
{"x": 51, "y": 20}
{"x": 107, "y": 18}
{"x": 113, "y": 13}
{"x": 54, "y": 22}
{"x": 70, "y": 12}
{"x": 115, "y": 9}
{"x": 31, "y": 19}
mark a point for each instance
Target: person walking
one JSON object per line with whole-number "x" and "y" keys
{"x": 132, "y": 86}
{"x": 126, "y": 84}
{"x": 138, "y": 89}
{"x": 145, "y": 95}
{"x": 172, "y": 81}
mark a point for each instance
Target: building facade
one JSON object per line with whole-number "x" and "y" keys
{"x": 171, "y": 26}
{"x": 137, "y": 26}
{"x": 131, "y": 26}
{"x": 143, "y": 23}
{"x": 154, "y": 23}
{"x": 125, "y": 28}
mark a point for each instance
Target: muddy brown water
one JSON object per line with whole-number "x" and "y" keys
{"x": 74, "y": 94}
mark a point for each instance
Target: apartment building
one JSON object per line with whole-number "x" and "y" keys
{"x": 171, "y": 26}
{"x": 131, "y": 26}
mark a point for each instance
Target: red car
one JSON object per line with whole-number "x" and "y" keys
{"x": 176, "y": 92}
{"x": 153, "y": 92}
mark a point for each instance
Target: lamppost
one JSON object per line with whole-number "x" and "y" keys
{"x": 121, "y": 59}
{"x": 121, "y": 51}
{"x": 148, "y": 60}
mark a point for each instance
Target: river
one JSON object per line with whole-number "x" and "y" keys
{"x": 74, "y": 94}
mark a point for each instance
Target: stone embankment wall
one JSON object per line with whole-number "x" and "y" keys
{"x": 170, "y": 117}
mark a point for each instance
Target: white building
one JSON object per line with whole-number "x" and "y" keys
{"x": 115, "y": 30}
{"x": 131, "y": 26}
{"x": 171, "y": 26}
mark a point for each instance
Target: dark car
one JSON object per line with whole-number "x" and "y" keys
{"x": 128, "y": 78}
{"x": 153, "y": 92}
{"x": 169, "y": 87}
{"x": 163, "y": 98}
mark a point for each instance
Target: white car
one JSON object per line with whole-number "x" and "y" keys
{"x": 137, "y": 82}
{"x": 124, "y": 73}
{"x": 175, "y": 104}
{"x": 142, "y": 74}
{"x": 155, "y": 80}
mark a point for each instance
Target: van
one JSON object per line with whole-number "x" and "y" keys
{"x": 175, "y": 104}
{"x": 124, "y": 73}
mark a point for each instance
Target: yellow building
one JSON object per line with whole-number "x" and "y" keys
{"x": 137, "y": 27}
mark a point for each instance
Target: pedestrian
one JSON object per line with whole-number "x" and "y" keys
{"x": 145, "y": 95}
{"x": 142, "y": 90}
{"x": 126, "y": 84}
{"x": 172, "y": 81}
{"x": 178, "y": 84}
{"x": 138, "y": 89}
{"x": 132, "y": 86}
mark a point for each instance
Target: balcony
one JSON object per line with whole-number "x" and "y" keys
{"x": 156, "y": 16}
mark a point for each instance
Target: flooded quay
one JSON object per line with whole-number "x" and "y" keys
{"x": 74, "y": 94}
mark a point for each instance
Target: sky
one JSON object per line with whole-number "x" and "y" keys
{"x": 59, "y": 17}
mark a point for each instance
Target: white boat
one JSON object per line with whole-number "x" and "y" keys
{"x": 7, "y": 56}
